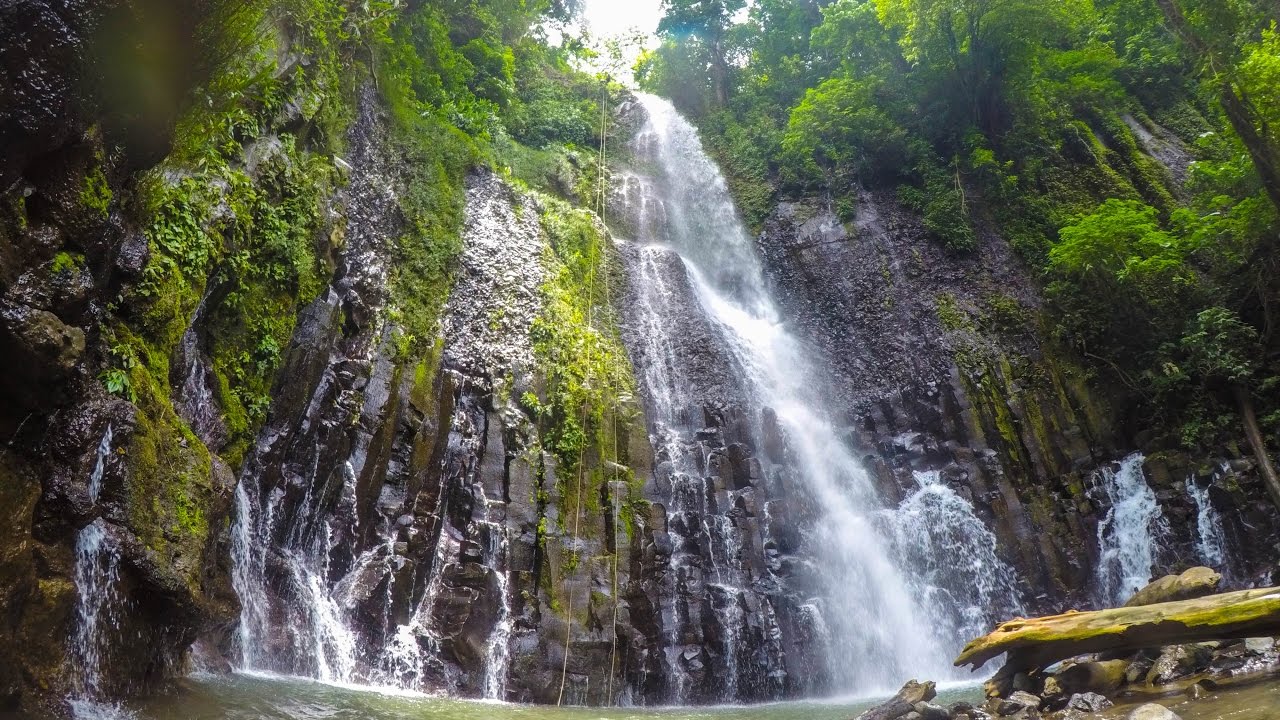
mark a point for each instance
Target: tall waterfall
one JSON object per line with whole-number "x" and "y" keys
{"x": 881, "y": 626}
{"x": 1130, "y": 533}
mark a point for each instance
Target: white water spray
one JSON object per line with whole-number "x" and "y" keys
{"x": 953, "y": 560}
{"x": 1130, "y": 533}
{"x": 98, "y": 605}
{"x": 1210, "y": 542}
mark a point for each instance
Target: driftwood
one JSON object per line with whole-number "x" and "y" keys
{"x": 1039, "y": 642}
{"x": 903, "y": 703}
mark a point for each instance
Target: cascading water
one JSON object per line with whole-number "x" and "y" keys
{"x": 497, "y": 549}
{"x": 98, "y": 604}
{"x": 371, "y": 543}
{"x": 1210, "y": 541}
{"x": 880, "y": 627}
{"x": 1131, "y": 531}
{"x": 954, "y": 563}
{"x": 100, "y": 466}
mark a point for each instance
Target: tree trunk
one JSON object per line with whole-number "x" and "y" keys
{"x": 1039, "y": 642}
{"x": 1245, "y": 402}
{"x": 1259, "y": 147}
{"x": 719, "y": 73}
{"x": 1264, "y": 156}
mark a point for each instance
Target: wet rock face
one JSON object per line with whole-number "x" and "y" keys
{"x": 412, "y": 496}
{"x": 72, "y": 64}
{"x": 70, "y": 454}
{"x": 938, "y": 367}
{"x": 698, "y": 362}
{"x": 495, "y": 298}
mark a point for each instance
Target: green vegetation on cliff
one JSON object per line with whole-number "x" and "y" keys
{"x": 1126, "y": 148}
{"x": 245, "y": 219}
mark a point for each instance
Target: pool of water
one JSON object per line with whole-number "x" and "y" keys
{"x": 250, "y": 697}
{"x": 1255, "y": 701}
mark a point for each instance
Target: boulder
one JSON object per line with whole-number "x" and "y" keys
{"x": 1259, "y": 645}
{"x": 1017, "y": 702}
{"x": 929, "y": 711}
{"x": 1193, "y": 583}
{"x": 1152, "y": 711}
{"x": 1088, "y": 702}
{"x": 1177, "y": 661}
{"x": 1095, "y": 676}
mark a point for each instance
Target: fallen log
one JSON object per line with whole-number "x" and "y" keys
{"x": 1039, "y": 642}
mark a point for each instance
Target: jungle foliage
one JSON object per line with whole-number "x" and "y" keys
{"x": 242, "y": 217}
{"x": 1039, "y": 120}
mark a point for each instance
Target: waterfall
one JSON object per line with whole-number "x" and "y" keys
{"x": 99, "y": 603}
{"x": 100, "y": 466}
{"x": 317, "y": 633}
{"x": 1130, "y": 532}
{"x": 1210, "y": 542}
{"x": 880, "y": 626}
{"x": 496, "y": 544}
{"x": 953, "y": 561}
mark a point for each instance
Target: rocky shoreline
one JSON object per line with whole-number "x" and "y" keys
{"x": 1120, "y": 682}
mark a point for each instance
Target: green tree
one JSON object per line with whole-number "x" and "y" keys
{"x": 1223, "y": 353}
{"x": 1216, "y": 34}
{"x": 1121, "y": 282}
{"x": 974, "y": 45}
{"x": 703, "y": 27}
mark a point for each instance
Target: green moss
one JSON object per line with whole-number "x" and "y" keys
{"x": 436, "y": 159}
{"x": 169, "y": 471}
{"x": 66, "y": 262}
{"x": 95, "y": 193}
{"x": 950, "y": 313}
{"x": 1006, "y": 315}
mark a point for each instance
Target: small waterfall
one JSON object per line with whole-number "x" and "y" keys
{"x": 953, "y": 562}
{"x": 1210, "y": 541}
{"x": 99, "y": 603}
{"x": 100, "y": 466}
{"x": 496, "y": 544}
{"x": 1131, "y": 531}
{"x": 318, "y": 634}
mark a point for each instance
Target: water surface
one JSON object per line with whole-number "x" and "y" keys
{"x": 252, "y": 697}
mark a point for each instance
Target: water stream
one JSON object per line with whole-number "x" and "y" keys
{"x": 243, "y": 697}
{"x": 1210, "y": 541}
{"x": 1130, "y": 532}
{"x": 99, "y": 603}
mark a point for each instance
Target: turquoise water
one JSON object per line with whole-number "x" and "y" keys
{"x": 243, "y": 697}
{"x": 246, "y": 697}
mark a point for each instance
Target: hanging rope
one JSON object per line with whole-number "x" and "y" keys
{"x": 601, "y": 205}
{"x": 593, "y": 260}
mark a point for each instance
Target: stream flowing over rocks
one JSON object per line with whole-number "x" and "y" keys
{"x": 848, "y": 451}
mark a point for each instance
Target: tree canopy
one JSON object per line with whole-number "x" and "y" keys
{"x": 1128, "y": 149}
